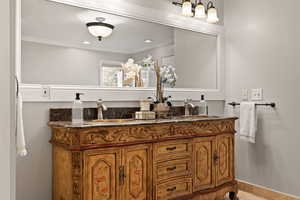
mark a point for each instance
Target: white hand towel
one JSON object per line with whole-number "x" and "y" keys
{"x": 248, "y": 121}
{"x": 21, "y": 145}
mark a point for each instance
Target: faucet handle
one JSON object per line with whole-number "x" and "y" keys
{"x": 99, "y": 102}
{"x": 104, "y": 107}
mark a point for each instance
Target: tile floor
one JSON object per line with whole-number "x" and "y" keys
{"x": 247, "y": 196}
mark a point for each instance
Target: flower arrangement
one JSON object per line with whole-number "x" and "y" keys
{"x": 168, "y": 75}
{"x": 165, "y": 76}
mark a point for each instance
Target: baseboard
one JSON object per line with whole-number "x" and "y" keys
{"x": 264, "y": 192}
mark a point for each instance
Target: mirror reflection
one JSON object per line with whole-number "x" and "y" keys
{"x": 77, "y": 46}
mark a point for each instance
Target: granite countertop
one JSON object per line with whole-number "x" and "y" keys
{"x": 132, "y": 122}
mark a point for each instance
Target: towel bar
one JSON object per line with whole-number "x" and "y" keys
{"x": 273, "y": 105}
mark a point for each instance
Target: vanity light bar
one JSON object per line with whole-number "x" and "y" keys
{"x": 198, "y": 10}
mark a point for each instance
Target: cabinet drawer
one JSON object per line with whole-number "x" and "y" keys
{"x": 173, "y": 169}
{"x": 173, "y": 189}
{"x": 172, "y": 149}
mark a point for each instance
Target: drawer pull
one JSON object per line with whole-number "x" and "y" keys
{"x": 121, "y": 175}
{"x": 171, "y": 168}
{"x": 171, "y": 189}
{"x": 171, "y": 148}
{"x": 216, "y": 158}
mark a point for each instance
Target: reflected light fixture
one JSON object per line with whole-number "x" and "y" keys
{"x": 187, "y": 8}
{"x": 100, "y": 29}
{"x": 148, "y": 41}
{"x": 197, "y": 9}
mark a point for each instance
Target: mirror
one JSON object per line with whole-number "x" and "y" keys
{"x": 58, "y": 49}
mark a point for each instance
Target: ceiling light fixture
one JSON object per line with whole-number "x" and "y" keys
{"x": 100, "y": 29}
{"x": 148, "y": 41}
{"x": 197, "y": 9}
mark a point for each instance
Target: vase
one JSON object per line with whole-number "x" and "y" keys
{"x": 161, "y": 110}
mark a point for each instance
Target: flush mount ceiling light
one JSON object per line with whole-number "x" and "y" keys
{"x": 100, "y": 29}
{"x": 197, "y": 9}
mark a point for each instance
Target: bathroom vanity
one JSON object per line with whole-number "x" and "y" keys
{"x": 180, "y": 158}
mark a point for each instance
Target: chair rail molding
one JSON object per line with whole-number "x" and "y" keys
{"x": 66, "y": 93}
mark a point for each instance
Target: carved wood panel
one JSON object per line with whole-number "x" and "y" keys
{"x": 77, "y": 174}
{"x": 138, "y": 133}
{"x": 224, "y": 170}
{"x": 137, "y": 163}
{"x": 101, "y": 173}
{"x": 204, "y": 168}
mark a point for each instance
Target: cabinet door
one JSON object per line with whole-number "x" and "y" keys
{"x": 101, "y": 174}
{"x": 224, "y": 159}
{"x": 137, "y": 161}
{"x": 204, "y": 167}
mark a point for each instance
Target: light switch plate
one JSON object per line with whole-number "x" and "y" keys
{"x": 257, "y": 94}
{"x": 245, "y": 96}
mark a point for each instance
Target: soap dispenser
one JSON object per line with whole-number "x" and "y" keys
{"x": 203, "y": 107}
{"x": 77, "y": 110}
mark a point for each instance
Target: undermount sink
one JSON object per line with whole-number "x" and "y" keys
{"x": 112, "y": 120}
{"x": 196, "y": 117}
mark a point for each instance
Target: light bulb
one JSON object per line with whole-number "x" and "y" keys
{"x": 212, "y": 14}
{"x": 187, "y": 9}
{"x": 200, "y": 11}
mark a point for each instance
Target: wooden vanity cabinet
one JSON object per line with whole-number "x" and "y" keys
{"x": 192, "y": 161}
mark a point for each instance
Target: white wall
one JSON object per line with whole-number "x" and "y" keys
{"x": 6, "y": 169}
{"x": 263, "y": 51}
{"x": 50, "y": 64}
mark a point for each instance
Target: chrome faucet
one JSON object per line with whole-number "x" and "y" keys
{"x": 187, "y": 105}
{"x": 101, "y": 107}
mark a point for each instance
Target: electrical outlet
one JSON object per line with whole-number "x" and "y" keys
{"x": 245, "y": 96}
{"x": 45, "y": 92}
{"x": 257, "y": 94}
